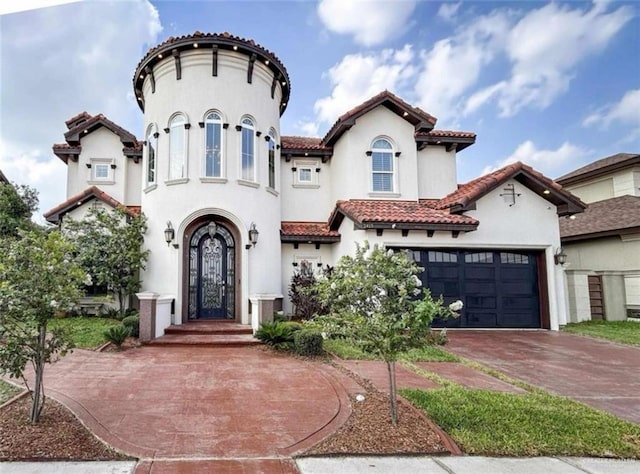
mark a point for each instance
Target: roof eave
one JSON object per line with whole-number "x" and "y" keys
{"x": 600, "y": 234}
{"x": 631, "y": 162}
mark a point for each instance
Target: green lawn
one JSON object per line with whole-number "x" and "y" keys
{"x": 7, "y": 391}
{"x": 627, "y": 332}
{"x": 504, "y": 424}
{"x": 87, "y": 333}
{"x": 346, "y": 350}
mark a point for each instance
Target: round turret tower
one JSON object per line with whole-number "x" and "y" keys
{"x": 212, "y": 105}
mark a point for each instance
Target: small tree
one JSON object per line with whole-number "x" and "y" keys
{"x": 110, "y": 249}
{"x": 373, "y": 299}
{"x": 17, "y": 204}
{"x": 38, "y": 277}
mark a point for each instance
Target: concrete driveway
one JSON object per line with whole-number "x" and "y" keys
{"x": 602, "y": 374}
{"x": 211, "y": 403}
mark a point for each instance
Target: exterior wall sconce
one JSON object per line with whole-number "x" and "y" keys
{"x": 509, "y": 195}
{"x": 169, "y": 233}
{"x": 560, "y": 257}
{"x": 253, "y": 235}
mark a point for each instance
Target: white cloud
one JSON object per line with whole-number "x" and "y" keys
{"x": 548, "y": 162}
{"x": 308, "y": 128}
{"x": 371, "y": 22}
{"x": 543, "y": 64}
{"x": 448, "y": 10}
{"x": 454, "y": 64}
{"x": 23, "y": 5}
{"x": 54, "y": 68}
{"x": 626, "y": 111}
{"x": 358, "y": 77}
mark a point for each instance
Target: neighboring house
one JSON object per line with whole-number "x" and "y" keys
{"x": 234, "y": 207}
{"x": 603, "y": 243}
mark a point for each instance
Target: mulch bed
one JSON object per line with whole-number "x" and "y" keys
{"x": 58, "y": 436}
{"x": 369, "y": 430}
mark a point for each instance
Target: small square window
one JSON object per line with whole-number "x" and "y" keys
{"x": 304, "y": 175}
{"x": 101, "y": 171}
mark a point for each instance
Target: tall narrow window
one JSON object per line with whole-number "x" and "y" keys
{"x": 272, "y": 159}
{"x": 213, "y": 145}
{"x": 248, "y": 150}
{"x": 152, "y": 153}
{"x": 382, "y": 166}
{"x": 177, "y": 147}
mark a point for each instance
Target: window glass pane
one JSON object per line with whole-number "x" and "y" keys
{"x": 383, "y": 182}
{"x": 272, "y": 159}
{"x": 479, "y": 257}
{"x": 382, "y": 161}
{"x": 304, "y": 175}
{"x": 152, "y": 147}
{"x": 515, "y": 258}
{"x": 213, "y": 146}
{"x": 443, "y": 257}
{"x": 247, "y": 153}
{"x": 101, "y": 171}
{"x": 177, "y": 142}
{"x": 381, "y": 143}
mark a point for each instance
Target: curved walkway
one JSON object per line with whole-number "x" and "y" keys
{"x": 600, "y": 373}
{"x": 203, "y": 402}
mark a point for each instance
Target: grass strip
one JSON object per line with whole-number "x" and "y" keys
{"x": 535, "y": 424}
{"x": 7, "y": 391}
{"x": 626, "y": 332}
{"x": 86, "y": 333}
{"x": 346, "y": 350}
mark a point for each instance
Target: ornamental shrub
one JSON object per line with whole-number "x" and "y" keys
{"x": 308, "y": 342}
{"x": 133, "y": 323}
{"x": 304, "y": 294}
{"x": 117, "y": 334}
{"x": 277, "y": 334}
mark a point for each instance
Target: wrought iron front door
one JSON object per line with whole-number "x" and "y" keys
{"x": 211, "y": 273}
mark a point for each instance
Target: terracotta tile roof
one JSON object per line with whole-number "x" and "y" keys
{"x": 416, "y": 116}
{"x": 599, "y": 167}
{"x": 369, "y": 213}
{"x": 446, "y": 134}
{"x": 468, "y": 193}
{"x": 93, "y": 192}
{"x": 3, "y": 178}
{"x": 452, "y": 138}
{"x": 301, "y": 231}
{"x": 136, "y": 210}
{"x": 613, "y": 216}
{"x": 74, "y": 135}
{"x": 64, "y": 151}
{"x": 302, "y": 143}
{"x": 73, "y": 121}
{"x": 222, "y": 40}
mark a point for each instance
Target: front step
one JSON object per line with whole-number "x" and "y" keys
{"x": 207, "y": 333}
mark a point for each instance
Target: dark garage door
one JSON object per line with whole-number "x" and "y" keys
{"x": 499, "y": 289}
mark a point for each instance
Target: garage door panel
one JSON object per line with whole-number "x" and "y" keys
{"x": 498, "y": 288}
{"x": 477, "y": 272}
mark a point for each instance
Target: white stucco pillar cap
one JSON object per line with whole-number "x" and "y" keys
{"x": 147, "y": 295}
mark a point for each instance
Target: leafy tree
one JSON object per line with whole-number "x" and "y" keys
{"x": 373, "y": 300}
{"x": 38, "y": 277}
{"x": 110, "y": 249}
{"x": 17, "y": 204}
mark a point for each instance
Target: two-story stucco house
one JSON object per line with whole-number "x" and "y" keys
{"x": 234, "y": 206}
{"x": 603, "y": 243}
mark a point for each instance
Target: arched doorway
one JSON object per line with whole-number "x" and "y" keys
{"x": 211, "y": 273}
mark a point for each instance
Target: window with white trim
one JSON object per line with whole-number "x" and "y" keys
{"x": 151, "y": 154}
{"x": 213, "y": 145}
{"x": 305, "y": 173}
{"x": 101, "y": 170}
{"x": 382, "y": 166}
{"x": 177, "y": 147}
{"x": 248, "y": 150}
{"x": 272, "y": 158}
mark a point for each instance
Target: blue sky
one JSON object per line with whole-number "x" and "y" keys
{"x": 553, "y": 84}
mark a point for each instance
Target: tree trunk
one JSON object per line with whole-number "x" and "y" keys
{"x": 391, "y": 369}
{"x": 121, "y": 301}
{"x": 37, "y": 396}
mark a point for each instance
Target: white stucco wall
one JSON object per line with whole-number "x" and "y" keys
{"x": 608, "y": 253}
{"x": 306, "y": 202}
{"x": 351, "y": 167}
{"x": 578, "y": 296}
{"x": 437, "y": 174}
{"x": 182, "y": 201}
{"x": 99, "y": 144}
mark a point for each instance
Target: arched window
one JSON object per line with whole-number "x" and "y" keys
{"x": 248, "y": 150}
{"x": 382, "y": 166}
{"x": 177, "y": 147}
{"x": 151, "y": 153}
{"x": 213, "y": 145}
{"x": 272, "y": 158}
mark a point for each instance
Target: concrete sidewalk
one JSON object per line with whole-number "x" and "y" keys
{"x": 360, "y": 465}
